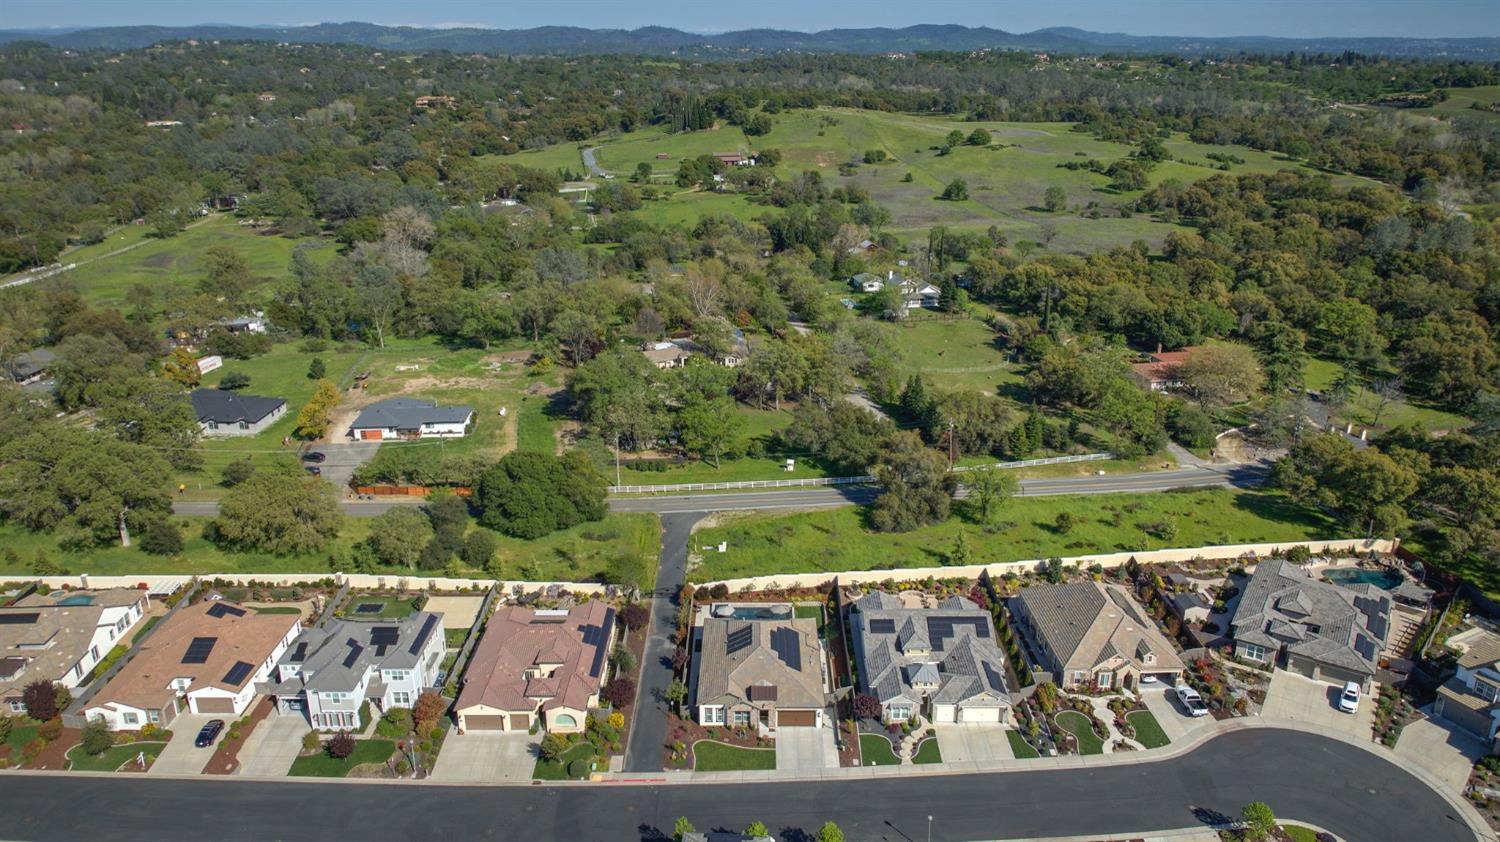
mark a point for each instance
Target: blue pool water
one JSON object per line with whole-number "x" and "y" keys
{"x": 1383, "y": 579}
{"x": 76, "y": 599}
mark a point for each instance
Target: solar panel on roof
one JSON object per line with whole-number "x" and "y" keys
{"x": 597, "y": 664}
{"x": 384, "y": 635}
{"x": 199, "y": 649}
{"x": 238, "y": 673}
{"x": 421, "y": 638}
{"x": 940, "y": 629}
{"x": 993, "y": 678}
{"x": 787, "y": 645}
{"x": 221, "y": 609}
{"x": 354, "y": 651}
{"x": 882, "y": 626}
{"x": 738, "y": 639}
{"x": 17, "y": 619}
{"x": 300, "y": 653}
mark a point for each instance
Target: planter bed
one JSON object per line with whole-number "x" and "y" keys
{"x": 683, "y": 734}
{"x": 226, "y": 757}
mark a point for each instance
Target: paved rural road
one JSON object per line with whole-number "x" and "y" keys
{"x": 1242, "y": 476}
{"x": 592, "y": 164}
{"x": 1343, "y": 788}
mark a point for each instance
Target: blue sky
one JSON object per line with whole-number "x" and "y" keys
{"x": 1412, "y": 18}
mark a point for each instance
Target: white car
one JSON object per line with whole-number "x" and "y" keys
{"x": 1191, "y": 701}
{"x": 1349, "y": 699}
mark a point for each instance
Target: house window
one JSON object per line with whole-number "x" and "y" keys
{"x": 1487, "y": 691}
{"x": 565, "y": 720}
{"x": 1105, "y": 680}
{"x": 742, "y": 717}
{"x": 398, "y": 675}
{"x": 244, "y": 425}
{"x": 129, "y": 718}
{"x": 1252, "y": 652}
{"x": 153, "y": 716}
{"x": 94, "y": 651}
{"x": 713, "y": 715}
{"x": 898, "y": 712}
{"x": 17, "y": 706}
{"x": 1078, "y": 676}
{"x": 401, "y": 698}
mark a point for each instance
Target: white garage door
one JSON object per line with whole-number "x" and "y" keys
{"x": 943, "y": 713}
{"x": 979, "y": 715}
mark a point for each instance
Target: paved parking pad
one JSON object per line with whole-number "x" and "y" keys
{"x": 486, "y": 757}
{"x": 1446, "y": 751}
{"x": 800, "y": 749}
{"x": 181, "y": 757}
{"x": 962, "y": 743}
{"x": 273, "y": 745}
{"x": 1302, "y": 699}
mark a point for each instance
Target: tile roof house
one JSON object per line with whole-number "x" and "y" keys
{"x": 941, "y": 662}
{"x": 328, "y": 672}
{"x": 411, "y": 418}
{"x": 225, "y": 413}
{"x": 1089, "y": 632}
{"x": 61, "y": 636}
{"x": 1321, "y": 630}
{"x": 1159, "y": 374}
{"x": 1471, "y": 698}
{"x": 767, "y": 672}
{"x": 209, "y": 655}
{"x": 536, "y": 666}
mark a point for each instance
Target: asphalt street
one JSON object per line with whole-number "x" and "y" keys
{"x": 1348, "y": 790}
{"x": 649, "y": 731}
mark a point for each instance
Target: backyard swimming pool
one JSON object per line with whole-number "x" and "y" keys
{"x": 1383, "y": 579}
{"x": 778, "y": 611}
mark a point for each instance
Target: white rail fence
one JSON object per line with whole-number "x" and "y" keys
{"x": 811, "y": 482}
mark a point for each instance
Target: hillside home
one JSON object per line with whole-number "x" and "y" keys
{"x": 61, "y": 636}
{"x": 766, "y": 673}
{"x": 225, "y": 413}
{"x": 1159, "y": 372}
{"x": 939, "y": 662}
{"x": 537, "y": 667}
{"x": 204, "y": 658}
{"x": 1089, "y": 633}
{"x": 411, "y": 418}
{"x": 328, "y": 672}
{"x": 30, "y": 367}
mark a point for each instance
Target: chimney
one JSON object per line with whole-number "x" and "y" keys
{"x": 1158, "y": 349}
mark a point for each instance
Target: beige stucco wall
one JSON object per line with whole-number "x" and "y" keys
{"x": 1247, "y": 552}
{"x": 355, "y": 580}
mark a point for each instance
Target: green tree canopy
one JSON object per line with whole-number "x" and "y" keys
{"x": 278, "y": 512}
{"x": 528, "y": 494}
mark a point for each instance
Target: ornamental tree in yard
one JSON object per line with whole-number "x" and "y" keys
{"x": 620, "y": 693}
{"x": 635, "y": 616}
{"x": 341, "y": 745}
{"x": 40, "y": 699}
{"x": 1259, "y": 821}
{"x": 830, "y": 832}
{"x": 429, "y": 708}
{"x": 866, "y": 706}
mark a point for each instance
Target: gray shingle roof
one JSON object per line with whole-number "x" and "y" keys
{"x": 334, "y": 658}
{"x": 728, "y": 668}
{"x": 952, "y": 646}
{"x": 225, "y": 407}
{"x": 1084, "y": 624}
{"x": 409, "y": 414}
{"x": 34, "y": 362}
{"x": 1284, "y": 606}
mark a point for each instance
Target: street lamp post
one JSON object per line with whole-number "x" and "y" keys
{"x": 929, "y": 829}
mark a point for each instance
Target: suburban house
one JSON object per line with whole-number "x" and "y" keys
{"x": 1289, "y": 619}
{"x": 1471, "y": 698}
{"x": 1090, "y": 633}
{"x": 224, "y": 413}
{"x": 1159, "y": 373}
{"x": 766, "y": 673}
{"x": 665, "y": 355}
{"x": 61, "y": 636}
{"x": 328, "y": 672}
{"x": 867, "y": 282}
{"x": 939, "y": 662}
{"x": 30, "y": 367}
{"x": 735, "y": 159}
{"x": 206, "y": 657}
{"x": 537, "y": 667}
{"x": 411, "y": 418}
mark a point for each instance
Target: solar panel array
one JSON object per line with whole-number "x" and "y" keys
{"x": 421, "y": 638}
{"x": 787, "y": 645}
{"x": 199, "y": 649}
{"x": 993, "y": 678}
{"x": 941, "y": 629}
{"x": 354, "y": 652}
{"x": 300, "y": 653}
{"x": 739, "y": 639}
{"x": 882, "y": 626}
{"x": 598, "y": 636}
{"x": 384, "y": 637}
{"x": 238, "y": 673}
{"x": 18, "y": 619}
{"x": 222, "y": 609}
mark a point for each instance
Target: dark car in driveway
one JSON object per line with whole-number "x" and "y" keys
{"x": 208, "y": 733}
{"x": 314, "y": 470}
{"x": 314, "y": 456}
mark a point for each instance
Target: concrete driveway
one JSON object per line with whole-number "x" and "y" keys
{"x": 1302, "y": 699}
{"x": 1162, "y": 701}
{"x": 486, "y": 757}
{"x": 801, "y": 749}
{"x": 963, "y": 743}
{"x": 181, "y": 757}
{"x": 273, "y": 745}
{"x": 343, "y": 458}
{"x": 1442, "y": 749}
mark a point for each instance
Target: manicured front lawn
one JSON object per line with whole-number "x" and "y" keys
{"x": 19, "y": 736}
{"x": 558, "y": 770}
{"x": 1148, "y": 731}
{"x": 1019, "y": 747}
{"x": 709, "y": 756}
{"x": 877, "y": 751}
{"x": 1079, "y": 726}
{"x": 279, "y": 609}
{"x": 391, "y": 607}
{"x": 928, "y": 752}
{"x": 320, "y": 765}
{"x": 836, "y": 540}
{"x": 111, "y": 758}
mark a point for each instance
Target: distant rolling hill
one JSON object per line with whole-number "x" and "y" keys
{"x": 570, "y": 40}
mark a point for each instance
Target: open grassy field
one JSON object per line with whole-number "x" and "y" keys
{"x": 1006, "y": 180}
{"x": 1460, "y": 99}
{"x": 834, "y": 540}
{"x": 959, "y": 355}
{"x": 105, "y": 277}
{"x": 1319, "y": 375}
{"x": 621, "y": 542}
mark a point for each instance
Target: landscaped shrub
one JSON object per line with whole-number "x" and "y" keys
{"x": 396, "y": 723}
{"x": 635, "y": 616}
{"x": 340, "y": 746}
{"x": 578, "y": 767}
{"x": 96, "y": 738}
{"x": 40, "y": 699}
{"x": 161, "y": 537}
{"x": 311, "y": 741}
{"x": 620, "y": 693}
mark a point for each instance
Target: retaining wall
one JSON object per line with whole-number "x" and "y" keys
{"x": 361, "y": 581}
{"x": 972, "y": 571}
